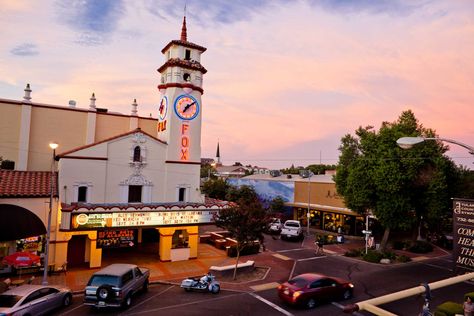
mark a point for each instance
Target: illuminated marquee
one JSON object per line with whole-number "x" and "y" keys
{"x": 184, "y": 142}
{"x": 138, "y": 219}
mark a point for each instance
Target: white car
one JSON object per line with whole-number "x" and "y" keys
{"x": 292, "y": 230}
{"x": 275, "y": 226}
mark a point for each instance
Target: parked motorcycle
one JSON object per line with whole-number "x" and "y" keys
{"x": 205, "y": 283}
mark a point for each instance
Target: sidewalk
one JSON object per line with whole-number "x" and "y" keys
{"x": 174, "y": 272}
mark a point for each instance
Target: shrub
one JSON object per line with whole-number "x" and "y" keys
{"x": 421, "y": 247}
{"x": 400, "y": 244}
{"x": 389, "y": 255}
{"x": 372, "y": 256}
{"x": 403, "y": 258}
{"x": 248, "y": 250}
{"x": 353, "y": 253}
{"x": 449, "y": 309}
{"x": 470, "y": 294}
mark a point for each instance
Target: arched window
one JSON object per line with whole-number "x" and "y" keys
{"x": 137, "y": 156}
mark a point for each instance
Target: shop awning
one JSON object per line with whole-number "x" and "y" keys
{"x": 320, "y": 207}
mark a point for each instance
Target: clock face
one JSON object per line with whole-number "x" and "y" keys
{"x": 163, "y": 108}
{"x": 186, "y": 107}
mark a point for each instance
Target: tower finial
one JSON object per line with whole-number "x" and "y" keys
{"x": 184, "y": 35}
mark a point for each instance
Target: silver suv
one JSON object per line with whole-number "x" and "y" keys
{"x": 115, "y": 285}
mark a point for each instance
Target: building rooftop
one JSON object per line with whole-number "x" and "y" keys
{"x": 26, "y": 184}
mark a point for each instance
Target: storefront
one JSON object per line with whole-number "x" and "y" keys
{"x": 334, "y": 221}
{"x": 122, "y": 226}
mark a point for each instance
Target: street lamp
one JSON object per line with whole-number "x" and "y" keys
{"x": 53, "y": 146}
{"x": 409, "y": 142}
{"x": 308, "y": 213}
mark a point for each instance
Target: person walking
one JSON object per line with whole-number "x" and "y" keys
{"x": 319, "y": 245}
{"x": 468, "y": 307}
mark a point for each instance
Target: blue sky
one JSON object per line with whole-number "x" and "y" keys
{"x": 287, "y": 78}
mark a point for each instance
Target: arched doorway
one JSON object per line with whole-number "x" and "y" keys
{"x": 18, "y": 222}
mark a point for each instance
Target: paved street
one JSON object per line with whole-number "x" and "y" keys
{"x": 370, "y": 280}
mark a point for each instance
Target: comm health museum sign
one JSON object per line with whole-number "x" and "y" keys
{"x": 463, "y": 226}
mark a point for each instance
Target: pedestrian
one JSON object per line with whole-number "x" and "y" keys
{"x": 468, "y": 307}
{"x": 319, "y": 245}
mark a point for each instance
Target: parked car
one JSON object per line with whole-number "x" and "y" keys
{"x": 115, "y": 285}
{"x": 292, "y": 230}
{"x": 310, "y": 289}
{"x": 35, "y": 300}
{"x": 275, "y": 226}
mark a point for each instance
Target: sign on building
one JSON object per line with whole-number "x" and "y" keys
{"x": 463, "y": 227}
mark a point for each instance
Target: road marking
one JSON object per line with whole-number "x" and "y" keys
{"x": 292, "y": 270}
{"x": 73, "y": 309}
{"x": 184, "y": 304}
{"x": 266, "y": 286}
{"x": 281, "y": 257}
{"x": 153, "y": 296}
{"x": 278, "y": 308}
{"x": 342, "y": 307}
{"x": 289, "y": 250}
{"x": 312, "y": 258}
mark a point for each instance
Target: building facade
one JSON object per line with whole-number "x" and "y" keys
{"x": 121, "y": 177}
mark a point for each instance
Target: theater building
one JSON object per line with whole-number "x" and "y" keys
{"x": 120, "y": 178}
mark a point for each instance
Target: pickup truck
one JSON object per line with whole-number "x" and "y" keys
{"x": 275, "y": 226}
{"x": 115, "y": 285}
{"x": 292, "y": 230}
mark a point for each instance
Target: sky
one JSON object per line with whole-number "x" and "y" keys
{"x": 286, "y": 80}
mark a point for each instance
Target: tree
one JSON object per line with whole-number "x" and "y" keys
{"x": 246, "y": 222}
{"x": 320, "y": 169}
{"x": 215, "y": 188}
{"x": 277, "y": 204}
{"x": 398, "y": 186}
{"x": 207, "y": 171}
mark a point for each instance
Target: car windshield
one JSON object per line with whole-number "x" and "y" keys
{"x": 98, "y": 280}
{"x": 298, "y": 282}
{"x": 292, "y": 224}
{"x": 9, "y": 300}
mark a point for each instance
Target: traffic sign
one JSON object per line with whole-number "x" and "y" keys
{"x": 367, "y": 232}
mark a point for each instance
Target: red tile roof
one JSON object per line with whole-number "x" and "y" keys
{"x": 15, "y": 184}
{"x": 186, "y": 64}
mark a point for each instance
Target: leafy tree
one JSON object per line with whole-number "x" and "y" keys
{"x": 320, "y": 169}
{"x": 243, "y": 193}
{"x": 215, "y": 188}
{"x": 398, "y": 186}
{"x": 465, "y": 186}
{"x": 277, "y": 204}
{"x": 208, "y": 171}
{"x": 246, "y": 222}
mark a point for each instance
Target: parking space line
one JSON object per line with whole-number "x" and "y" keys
{"x": 281, "y": 257}
{"x": 311, "y": 258}
{"x": 289, "y": 250}
{"x": 278, "y": 308}
{"x": 153, "y": 296}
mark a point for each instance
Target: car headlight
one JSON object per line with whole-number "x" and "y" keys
{"x": 351, "y": 285}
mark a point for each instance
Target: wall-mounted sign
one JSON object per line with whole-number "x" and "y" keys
{"x": 115, "y": 238}
{"x": 463, "y": 227}
{"x": 138, "y": 219}
{"x": 184, "y": 142}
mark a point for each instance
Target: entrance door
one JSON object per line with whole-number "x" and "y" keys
{"x": 76, "y": 250}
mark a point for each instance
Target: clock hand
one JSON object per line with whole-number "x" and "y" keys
{"x": 188, "y": 106}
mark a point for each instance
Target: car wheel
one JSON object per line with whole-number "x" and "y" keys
{"x": 145, "y": 286}
{"x": 215, "y": 289}
{"x": 347, "y": 294}
{"x": 67, "y": 300}
{"x": 311, "y": 303}
{"x": 104, "y": 292}
{"x": 128, "y": 301}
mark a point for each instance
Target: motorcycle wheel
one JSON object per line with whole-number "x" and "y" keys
{"x": 215, "y": 289}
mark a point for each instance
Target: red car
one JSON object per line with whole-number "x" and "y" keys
{"x": 309, "y": 289}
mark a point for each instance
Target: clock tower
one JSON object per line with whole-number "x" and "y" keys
{"x": 180, "y": 108}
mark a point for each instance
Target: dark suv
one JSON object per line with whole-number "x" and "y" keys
{"x": 115, "y": 285}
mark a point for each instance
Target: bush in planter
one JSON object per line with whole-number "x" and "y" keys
{"x": 389, "y": 255}
{"x": 449, "y": 309}
{"x": 421, "y": 246}
{"x": 400, "y": 244}
{"x": 403, "y": 259}
{"x": 372, "y": 256}
{"x": 470, "y": 294}
{"x": 248, "y": 250}
{"x": 353, "y": 253}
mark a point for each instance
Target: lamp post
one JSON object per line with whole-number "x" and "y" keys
{"x": 308, "y": 214}
{"x": 409, "y": 142}
{"x": 53, "y": 146}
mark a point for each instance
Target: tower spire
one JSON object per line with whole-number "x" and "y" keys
{"x": 218, "y": 155}
{"x": 184, "y": 34}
